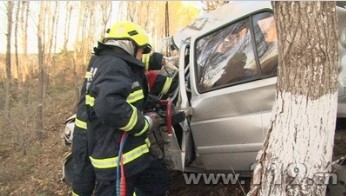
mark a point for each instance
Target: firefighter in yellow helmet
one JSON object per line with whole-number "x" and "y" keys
{"x": 116, "y": 94}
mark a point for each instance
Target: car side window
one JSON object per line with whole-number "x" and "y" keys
{"x": 226, "y": 56}
{"x": 266, "y": 43}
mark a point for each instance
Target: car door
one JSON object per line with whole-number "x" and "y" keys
{"x": 233, "y": 71}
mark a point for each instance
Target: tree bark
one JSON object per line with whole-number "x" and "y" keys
{"x": 106, "y": 7}
{"x": 9, "y": 9}
{"x": 55, "y": 27}
{"x": 24, "y": 64}
{"x": 69, "y": 9}
{"x": 24, "y": 29}
{"x": 16, "y": 41}
{"x": 88, "y": 37}
{"x": 297, "y": 152}
{"x": 40, "y": 42}
{"x": 78, "y": 46}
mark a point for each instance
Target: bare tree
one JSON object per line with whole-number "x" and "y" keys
{"x": 88, "y": 36}
{"x": 16, "y": 39}
{"x": 131, "y": 11}
{"x": 24, "y": 29}
{"x": 67, "y": 23}
{"x": 106, "y": 9}
{"x": 24, "y": 63}
{"x": 297, "y": 151}
{"x": 50, "y": 37}
{"x": 55, "y": 26}
{"x": 69, "y": 8}
{"x": 123, "y": 10}
{"x": 41, "y": 56}
{"x": 78, "y": 45}
{"x": 9, "y": 9}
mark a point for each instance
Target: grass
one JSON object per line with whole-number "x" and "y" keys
{"x": 29, "y": 167}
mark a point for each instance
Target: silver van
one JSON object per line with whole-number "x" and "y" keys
{"x": 230, "y": 85}
{"x": 227, "y": 74}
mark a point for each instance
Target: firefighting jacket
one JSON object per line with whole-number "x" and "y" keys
{"x": 116, "y": 93}
{"x": 81, "y": 116}
{"x": 159, "y": 84}
{"x": 84, "y": 175}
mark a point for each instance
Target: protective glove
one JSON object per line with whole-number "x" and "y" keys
{"x": 153, "y": 120}
{"x": 152, "y": 102}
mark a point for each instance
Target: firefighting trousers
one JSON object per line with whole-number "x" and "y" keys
{"x": 83, "y": 173}
{"x": 153, "y": 181}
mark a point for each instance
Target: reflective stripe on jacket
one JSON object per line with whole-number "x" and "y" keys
{"x": 160, "y": 84}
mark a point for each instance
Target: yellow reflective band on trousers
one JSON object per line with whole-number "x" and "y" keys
{"x": 81, "y": 124}
{"x": 145, "y": 60}
{"x": 127, "y": 158}
{"x": 133, "y": 120}
{"x": 135, "y": 96}
{"x": 74, "y": 194}
{"x": 146, "y": 126}
{"x": 89, "y": 100}
{"x": 167, "y": 85}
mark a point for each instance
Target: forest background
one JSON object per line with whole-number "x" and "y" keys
{"x": 44, "y": 51}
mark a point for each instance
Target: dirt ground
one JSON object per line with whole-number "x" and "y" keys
{"x": 38, "y": 170}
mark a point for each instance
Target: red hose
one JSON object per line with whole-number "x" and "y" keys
{"x": 168, "y": 115}
{"x": 122, "y": 180}
{"x": 122, "y": 191}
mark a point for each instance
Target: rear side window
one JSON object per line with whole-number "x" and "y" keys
{"x": 235, "y": 53}
{"x": 266, "y": 43}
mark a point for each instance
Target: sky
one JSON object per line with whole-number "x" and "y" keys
{"x": 32, "y": 31}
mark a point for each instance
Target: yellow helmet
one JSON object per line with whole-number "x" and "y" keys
{"x": 129, "y": 31}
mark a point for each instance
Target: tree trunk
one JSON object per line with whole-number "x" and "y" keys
{"x": 16, "y": 41}
{"x": 24, "y": 29}
{"x": 297, "y": 152}
{"x": 55, "y": 31}
{"x": 40, "y": 41}
{"x": 77, "y": 46}
{"x": 24, "y": 64}
{"x": 106, "y": 7}
{"x": 47, "y": 41}
{"x": 8, "y": 81}
{"x": 131, "y": 10}
{"x": 55, "y": 28}
{"x": 88, "y": 37}
{"x": 69, "y": 9}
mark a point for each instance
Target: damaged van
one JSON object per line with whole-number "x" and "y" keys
{"x": 227, "y": 70}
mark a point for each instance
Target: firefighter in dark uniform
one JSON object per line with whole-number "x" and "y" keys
{"x": 116, "y": 95}
{"x": 83, "y": 181}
